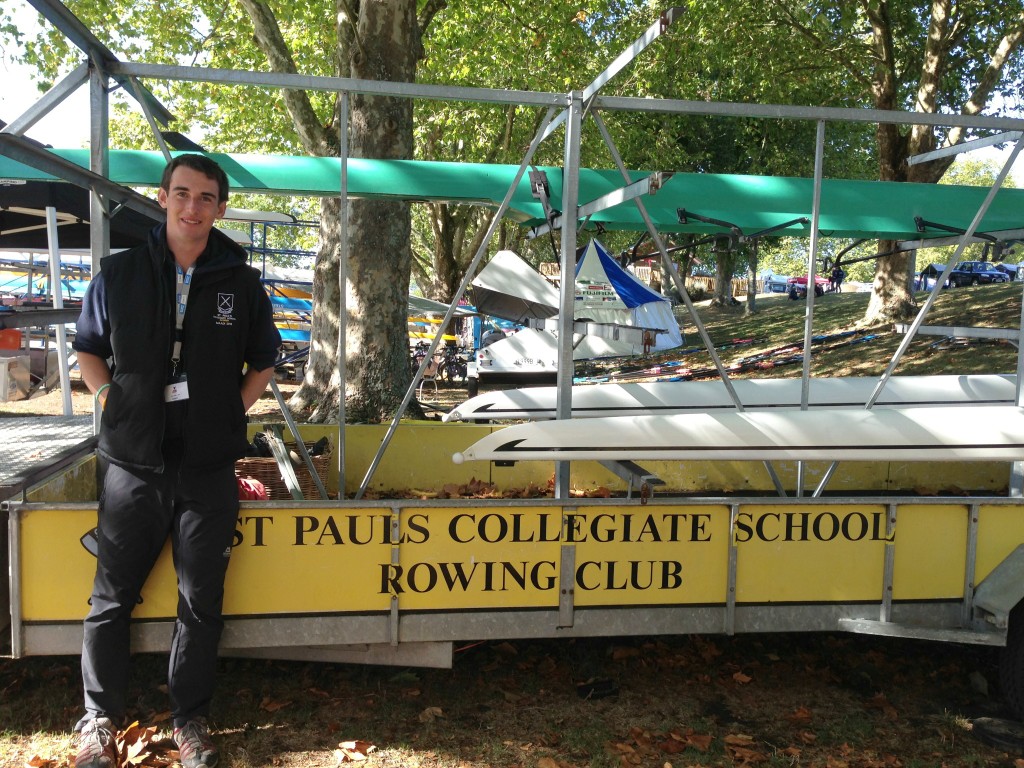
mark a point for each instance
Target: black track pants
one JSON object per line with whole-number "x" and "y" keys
{"x": 137, "y": 511}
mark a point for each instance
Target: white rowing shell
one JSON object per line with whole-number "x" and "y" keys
{"x": 669, "y": 397}
{"x": 937, "y": 433}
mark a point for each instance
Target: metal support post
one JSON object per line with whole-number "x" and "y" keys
{"x": 567, "y": 285}
{"x": 56, "y": 289}
{"x": 343, "y": 108}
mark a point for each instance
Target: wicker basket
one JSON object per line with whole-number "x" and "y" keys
{"x": 266, "y": 471}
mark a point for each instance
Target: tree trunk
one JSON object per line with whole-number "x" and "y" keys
{"x": 751, "y": 306}
{"x": 723, "y": 280}
{"x": 385, "y": 46}
{"x": 891, "y": 296}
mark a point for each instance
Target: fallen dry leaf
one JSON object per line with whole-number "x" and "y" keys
{"x": 699, "y": 741}
{"x": 739, "y": 747}
{"x": 430, "y": 714}
{"x": 621, "y": 652}
{"x": 270, "y": 705}
{"x": 135, "y": 745}
{"x": 547, "y": 762}
{"x": 740, "y": 739}
{"x": 672, "y": 746}
{"x": 353, "y": 751}
{"x": 741, "y": 678}
{"x": 800, "y": 716}
{"x": 743, "y": 756}
{"x": 41, "y": 762}
{"x": 505, "y": 648}
{"x": 641, "y": 736}
{"x": 879, "y": 701}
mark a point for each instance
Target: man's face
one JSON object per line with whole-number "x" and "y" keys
{"x": 191, "y": 203}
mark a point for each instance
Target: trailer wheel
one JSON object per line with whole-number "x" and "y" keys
{"x": 472, "y": 386}
{"x": 1011, "y": 664}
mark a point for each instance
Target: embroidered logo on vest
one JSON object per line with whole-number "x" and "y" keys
{"x": 225, "y": 309}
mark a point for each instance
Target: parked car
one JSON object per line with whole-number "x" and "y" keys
{"x": 926, "y": 277}
{"x": 975, "y": 273}
{"x": 1013, "y": 271}
{"x": 798, "y": 286}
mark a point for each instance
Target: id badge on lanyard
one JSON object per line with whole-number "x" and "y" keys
{"x": 176, "y": 388}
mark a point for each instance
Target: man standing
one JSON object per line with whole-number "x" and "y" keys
{"x": 178, "y": 319}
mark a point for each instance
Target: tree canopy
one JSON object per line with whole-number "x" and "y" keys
{"x": 935, "y": 56}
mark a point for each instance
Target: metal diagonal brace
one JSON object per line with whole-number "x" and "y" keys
{"x": 74, "y": 30}
{"x": 653, "y": 32}
{"x": 49, "y": 100}
{"x": 28, "y": 152}
{"x": 648, "y": 185}
{"x": 470, "y": 271}
{"x": 964, "y": 146}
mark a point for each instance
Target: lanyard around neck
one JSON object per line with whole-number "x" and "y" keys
{"x": 183, "y": 285}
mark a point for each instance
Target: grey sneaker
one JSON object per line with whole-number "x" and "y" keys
{"x": 97, "y": 745}
{"x": 195, "y": 747}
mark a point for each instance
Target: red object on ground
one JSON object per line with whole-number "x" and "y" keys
{"x": 10, "y": 338}
{"x": 251, "y": 489}
{"x": 802, "y": 280}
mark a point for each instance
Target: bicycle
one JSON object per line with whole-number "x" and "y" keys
{"x": 416, "y": 355}
{"x": 452, "y": 365}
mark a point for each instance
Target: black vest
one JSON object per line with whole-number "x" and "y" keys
{"x": 221, "y": 309}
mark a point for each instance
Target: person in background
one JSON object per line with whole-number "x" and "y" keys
{"x": 836, "y": 278}
{"x": 177, "y": 341}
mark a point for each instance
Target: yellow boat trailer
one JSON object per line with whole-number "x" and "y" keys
{"x": 932, "y": 552}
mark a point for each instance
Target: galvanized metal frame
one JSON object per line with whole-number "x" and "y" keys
{"x": 567, "y": 287}
{"x": 970, "y": 563}
{"x": 14, "y": 583}
{"x": 425, "y": 628}
{"x": 566, "y": 569}
{"x": 729, "y": 624}
{"x": 885, "y": 613}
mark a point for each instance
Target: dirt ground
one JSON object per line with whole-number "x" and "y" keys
{"x": 822, "y": 700}
{"x": 52, "y": 403}
{"x": 266, "y": 408}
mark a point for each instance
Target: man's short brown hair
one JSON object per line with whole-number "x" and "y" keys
{"x": 205, "y": 166}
